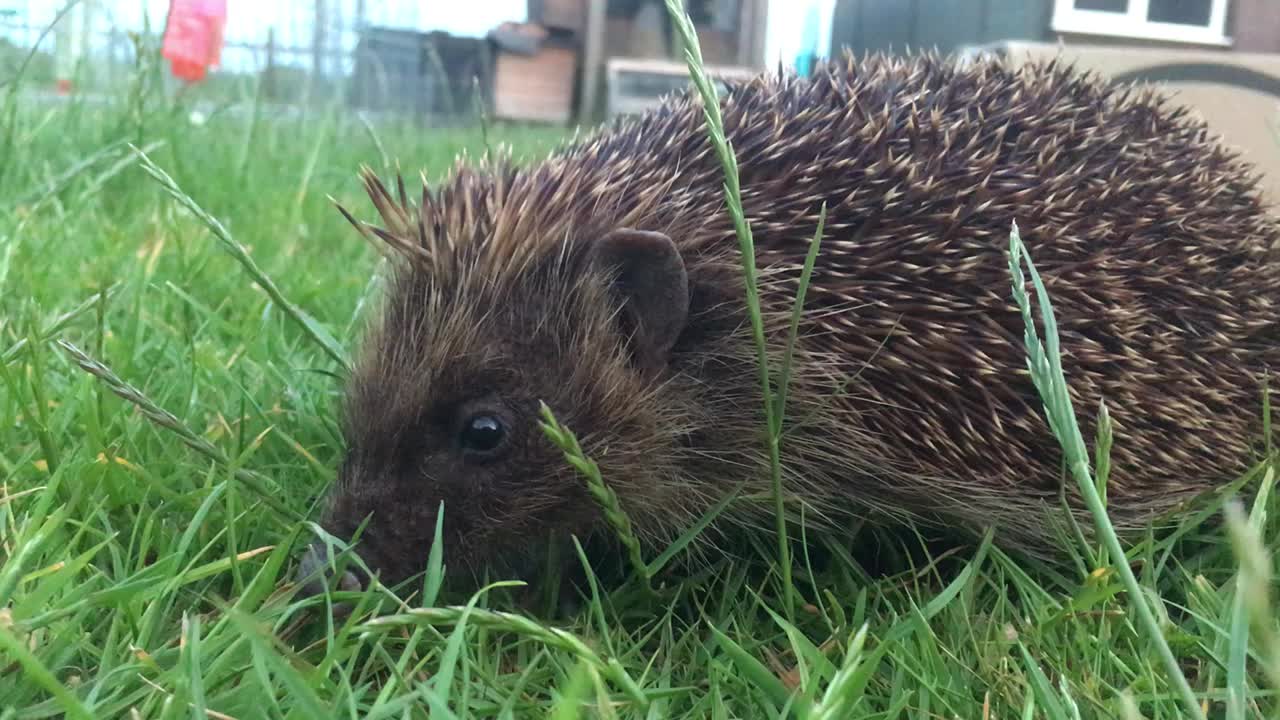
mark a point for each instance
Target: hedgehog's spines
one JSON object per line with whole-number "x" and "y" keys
{"x": 1150, "y": 236}
{"x": 404, "y": 200}
{"x": 384, "y": 247}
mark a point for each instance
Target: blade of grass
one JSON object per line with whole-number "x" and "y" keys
{"x": 8, "y": 246}
{"x": 65, "y": 178}
{"x": 684, "y": 27}
{"x": 687, "y": 537}
{"x": 267, "y": 651}
{"x": 190, "y": 651}
{"x": 759, "y": 675}
{"x": 41, "y": 675}
{"x": 59, "y": 323}
{"x": 169, "y": 421}
{"x": 595, "y": 605}
{"x": 1237, "y": 654}
{"x": 443, "y": 679}
{"x": 860, "y": 676}
{"x": 576, "y": 688}
{"x": 842, "y": 694}
{"x": 377, "y": 141}
{"x": 511, "y": 622}
{"x": 40, "y": 406}
{"x": 1250, "y": 601}
{"x": 1040, "y": 686}
{"x": 433, "y": 579}
{"x": 797, "y": 311}
{"x": 309, "y": 325}
{"x": 604, "y": 495}
{"x": 317, "y": 149}
{"x": 1045, "y": 364}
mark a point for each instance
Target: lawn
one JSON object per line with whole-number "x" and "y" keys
{"x": 145, "y": 558}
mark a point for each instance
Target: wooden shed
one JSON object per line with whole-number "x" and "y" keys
{"x": 560, "y": 63}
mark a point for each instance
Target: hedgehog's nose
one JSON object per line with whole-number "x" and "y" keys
{"x": 314, "y": 574}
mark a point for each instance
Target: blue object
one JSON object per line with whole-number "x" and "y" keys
{"x": 808, "y": 39}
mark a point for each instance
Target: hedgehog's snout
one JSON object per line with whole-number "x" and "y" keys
{"x": 315, "y": 573}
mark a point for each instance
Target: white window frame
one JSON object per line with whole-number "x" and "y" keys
{"x": 1134, "y": 24}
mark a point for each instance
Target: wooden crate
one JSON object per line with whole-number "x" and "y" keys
{"x": 635, "y": 85}
{"x": 537, "y": 87}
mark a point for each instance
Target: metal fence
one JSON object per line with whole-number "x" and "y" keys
{"x": 290, "y": 51}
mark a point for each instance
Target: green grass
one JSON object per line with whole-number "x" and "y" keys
{"x": 145, "y": 543}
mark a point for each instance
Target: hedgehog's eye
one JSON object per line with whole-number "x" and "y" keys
{"x": 482, "y": 434}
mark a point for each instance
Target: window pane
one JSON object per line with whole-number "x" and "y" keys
{"x": 1118, "y": 6}
{"x": 1181, "y": 12}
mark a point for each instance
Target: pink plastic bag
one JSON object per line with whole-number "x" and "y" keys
{"x": 193, "y": 37}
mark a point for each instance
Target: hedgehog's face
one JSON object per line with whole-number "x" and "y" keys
{"x": 443, "y": 408}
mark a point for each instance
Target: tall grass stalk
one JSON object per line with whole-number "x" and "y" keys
{"x": 1251, "y": 602}
{"x": 604, "y": 495}
{"x": 733, "y": 198}
{"x": 796, "y": 312}
{"x": 309, "y": 325}
{"x": 165, "y": 419}
{"x": 1045, "y": 363}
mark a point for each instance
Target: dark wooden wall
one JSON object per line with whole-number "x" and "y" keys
{"x": 943, "y": 25}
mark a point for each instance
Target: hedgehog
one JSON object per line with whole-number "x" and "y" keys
{"x": 607, "y": 282}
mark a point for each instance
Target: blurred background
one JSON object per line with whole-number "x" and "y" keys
{"x": 567, "y": 62}
{"x": 538, "y": 60}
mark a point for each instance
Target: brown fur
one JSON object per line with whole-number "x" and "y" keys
{"x": 911, "y": 397}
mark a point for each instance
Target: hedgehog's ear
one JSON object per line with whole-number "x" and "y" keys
{"x": 649, "y": 276}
